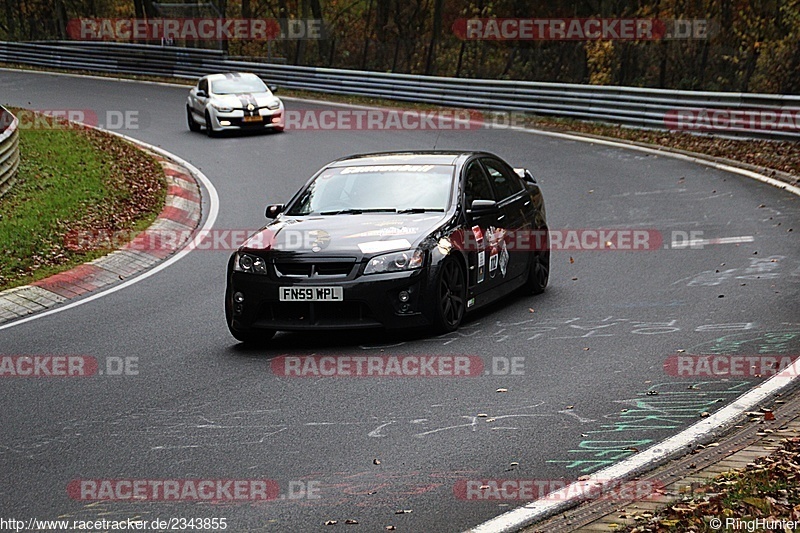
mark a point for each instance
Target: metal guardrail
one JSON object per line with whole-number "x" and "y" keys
{"x": 630, "y": 106}
{"x": 9, "y": 150}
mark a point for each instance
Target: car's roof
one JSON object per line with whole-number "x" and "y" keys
{"x": 232, "y": 75}
{"x": 419, "y": 157}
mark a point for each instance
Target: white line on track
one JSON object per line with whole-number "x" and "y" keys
{"x": 699, "y": 243}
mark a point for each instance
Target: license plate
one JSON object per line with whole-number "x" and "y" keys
{"x": 311, "y": 294}
{"x": 252, "y": 119}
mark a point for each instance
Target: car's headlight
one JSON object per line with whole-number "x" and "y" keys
{"x": 222, "y": 108}
{"x": 274, "y": 105}
{"x": 249, "y": 263}
{"x": 395, "y": 262}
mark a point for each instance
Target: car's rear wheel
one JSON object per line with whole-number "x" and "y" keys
{"x": 193, "y": 125}
{"x": 451, "y": 293}
{"x": 209, "y": 128}
{"x": 539, "y": 269}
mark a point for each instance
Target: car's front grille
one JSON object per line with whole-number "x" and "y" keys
{"x": 323, "y": 269}
{"x": 299, "y": 315}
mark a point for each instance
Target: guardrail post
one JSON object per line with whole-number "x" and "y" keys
{"x": 9, "y": 150}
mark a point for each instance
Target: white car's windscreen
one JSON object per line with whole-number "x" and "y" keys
{"x": 377, "y": 188}
{"x": 238, "y": 86}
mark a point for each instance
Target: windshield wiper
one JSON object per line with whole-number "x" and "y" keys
{"x": 420, "y": 210}
{"x": 357, "y": 211}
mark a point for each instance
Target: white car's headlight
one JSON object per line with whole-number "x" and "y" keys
{"x": 222, "y": 108}
{"x": 395, "y": 262}
{"x": 274, "y": 105}
{"x": 249, "y": 263}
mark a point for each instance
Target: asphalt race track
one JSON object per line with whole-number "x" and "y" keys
{"x": 204, "y": 407}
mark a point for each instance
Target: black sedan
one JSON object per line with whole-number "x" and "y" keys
{"x": 393, "y": 240}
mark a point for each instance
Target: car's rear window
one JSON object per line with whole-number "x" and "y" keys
{"x": 400, "y": 187}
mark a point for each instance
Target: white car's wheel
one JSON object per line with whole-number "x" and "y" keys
{"x": 209, "y": 128}
{"x": 193, "y": 125}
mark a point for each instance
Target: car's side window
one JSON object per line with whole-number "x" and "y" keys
{"x": 505, "y": 183}
{"x": 477, "y": 186}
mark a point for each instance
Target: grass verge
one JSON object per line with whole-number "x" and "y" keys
{"x": 72, "y": 179}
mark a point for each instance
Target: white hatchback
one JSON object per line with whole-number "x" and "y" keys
{"x": 234, "y": 101}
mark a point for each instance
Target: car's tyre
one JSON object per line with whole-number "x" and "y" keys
{"x": 539, "y": 269}
{"x": 209, "y": 129}
{"x": 278, "y": 129}
{"x": 451, "y": 297}
{"x": 193, "y": 125}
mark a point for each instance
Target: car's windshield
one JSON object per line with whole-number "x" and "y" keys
{"x": 238, "y": 85}
{"x": 365, "y": 189}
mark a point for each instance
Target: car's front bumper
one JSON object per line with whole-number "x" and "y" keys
{"x": 236, "y": 120}
{"x": 368, "y": 302}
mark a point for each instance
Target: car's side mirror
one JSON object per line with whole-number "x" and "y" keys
{"x": 273, "y": 88}
{"x": 482, "y": 207}
{"x": 201, "y": 93}
{"x": 525, "y": 174}
{"x": 274, "y": 210}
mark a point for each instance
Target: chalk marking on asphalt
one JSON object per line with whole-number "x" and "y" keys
{"x": 188, "y": 248}
{"x": 694, "y": 243}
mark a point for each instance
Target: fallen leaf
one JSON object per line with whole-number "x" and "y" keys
{"x": 404, "y": 511}
{"x": 571, "y": 260}
{"x": 350, "y": 521}
{"x": 376, "y": 461}
{"x": 331, "y": 522}
{"x": 501, "y": 390}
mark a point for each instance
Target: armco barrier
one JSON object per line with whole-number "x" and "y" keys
{"x": 631, "y": 106}
{"x": 9, "y": 150}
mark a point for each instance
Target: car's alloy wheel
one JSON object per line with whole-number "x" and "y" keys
{"x": 451, "y": 297}
{"x": 209, "y": 129}
{"x": 193, "y": 125}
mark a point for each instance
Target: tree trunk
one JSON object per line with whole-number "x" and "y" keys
{"x": 437, "y": 30}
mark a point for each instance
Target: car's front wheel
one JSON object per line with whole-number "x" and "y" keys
{"x": 193, "y": 125}
{"x": 209, "y": 128}
{"x": 451, "y": 297}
